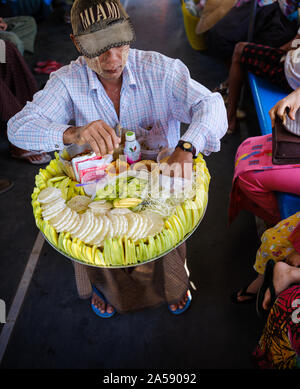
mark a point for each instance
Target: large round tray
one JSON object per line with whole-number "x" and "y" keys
{"x": 64, "y": 245}
{"x": 133, "y": 265}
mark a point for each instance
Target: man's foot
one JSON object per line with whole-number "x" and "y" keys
{"x": 281, "y": 281}
{"x": 102, "y": 305}
{"x": 182, "y": 304}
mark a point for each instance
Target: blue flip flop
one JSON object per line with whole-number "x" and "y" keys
{"x": 179, "y": 311}
{"x": 104, "y": 315}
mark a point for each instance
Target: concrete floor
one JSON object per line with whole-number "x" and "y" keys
{"x": 57, "y": 330}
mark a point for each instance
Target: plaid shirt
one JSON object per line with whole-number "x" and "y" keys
{"x": 157, "y": 91}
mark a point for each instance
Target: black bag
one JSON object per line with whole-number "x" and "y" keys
{"x": 285, "y": 145}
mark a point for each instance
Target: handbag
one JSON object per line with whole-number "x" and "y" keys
{"x": 285, "y": 145}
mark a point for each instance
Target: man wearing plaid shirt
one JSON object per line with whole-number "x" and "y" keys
{"x": 111, "y": 84}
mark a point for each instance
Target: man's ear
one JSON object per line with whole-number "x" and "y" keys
{"x": 74, "y": 42}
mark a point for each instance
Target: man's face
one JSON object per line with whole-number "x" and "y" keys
{"x": 109, "y": 65}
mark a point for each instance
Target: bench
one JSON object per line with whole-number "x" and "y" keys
{"x": 265, "y": 96}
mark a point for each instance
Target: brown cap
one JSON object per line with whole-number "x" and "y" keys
{"x": 99, "y": 25}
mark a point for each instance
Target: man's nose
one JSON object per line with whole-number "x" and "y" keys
{"x": 112, "y": 54}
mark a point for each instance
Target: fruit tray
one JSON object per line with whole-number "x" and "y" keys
{"x": 108, "y": 231}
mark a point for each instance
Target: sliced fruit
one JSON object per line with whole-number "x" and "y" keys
{"x": 79, "y": 203}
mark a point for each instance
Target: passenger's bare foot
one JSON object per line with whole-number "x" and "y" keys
{"x": 281, "y": 281}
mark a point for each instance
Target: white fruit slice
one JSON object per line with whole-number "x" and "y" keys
{"x": 79, "y": 203}
{"x": 53, "y": 204}
{"x": 62, "y": 227}
{"x": 115, "y": 225}
{"x": 149, "y": 225}
{"x": 138, "y": 229}
{"x": 101, "y": 237}
{"x": 47, "y": 215}
{"x": 100, "y": 207}
{"x": 62, "y": 218}
{"x": 120, "y": 211}
{"x": 143, "y": 227}
{"x": 157, "y": 220}
{"x": 95, "y": 231}
{"x": 87, "y": 226}
{"x": 73, "y": 220}
{"x": 74, "y": 230}
{"x": 49, "y": 194}
{"x": 133, "y": 220}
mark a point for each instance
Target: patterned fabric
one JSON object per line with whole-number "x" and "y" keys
{"x": 260, "y": 3}
{"x": 157, "y": 91}
{"x": 275, "y": 243}
{"x": 279, "y": 345}
{"x": 265, "y": 62}
{"x": 253, "y": 155}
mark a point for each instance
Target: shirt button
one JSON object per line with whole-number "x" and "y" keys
{"x": 56, "y": 146}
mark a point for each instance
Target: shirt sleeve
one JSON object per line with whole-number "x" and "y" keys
{"x": 204, "y": 111}
{"x": 40, "y": 125}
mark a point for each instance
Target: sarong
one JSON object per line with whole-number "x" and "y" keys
{"x": 279, "y": 345}
{"x": 164, "y": 280}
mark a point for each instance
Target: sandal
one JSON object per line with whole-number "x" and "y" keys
{"x": 104, "y": 315}
{"x": 179, "y": 311}
{"x": 252, "y": 296}
{"x": 267, "y": 284}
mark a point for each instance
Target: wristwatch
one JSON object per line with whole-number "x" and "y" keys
{"x": 187, "y": 146}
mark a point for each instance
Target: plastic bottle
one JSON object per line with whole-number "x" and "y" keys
{"x": 132, "y": 148}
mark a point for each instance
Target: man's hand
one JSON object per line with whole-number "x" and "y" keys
{"x": 3, "y": 25}
{"x": 292, "y": 101}
{"x": 99, "y": 135}
{"x": 180, "y": 164}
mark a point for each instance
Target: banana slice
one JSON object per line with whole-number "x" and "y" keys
{"x": 49, "y": 194}
{"x": 79, "y": 203}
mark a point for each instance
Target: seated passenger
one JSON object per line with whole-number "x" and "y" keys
{"x": 280, "y": 243}
{"x": 279, "y": 66}
{"x": 274, "y": 26}
{"x": 17, "y": 86}
{"x": 19, "y": 30}
{"x": 256, "y": 178}
{"x": 279, "y": 345}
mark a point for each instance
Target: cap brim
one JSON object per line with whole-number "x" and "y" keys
{"x": 117, "y": 34}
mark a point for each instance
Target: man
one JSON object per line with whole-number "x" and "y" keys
{"x": 111, "y": 84}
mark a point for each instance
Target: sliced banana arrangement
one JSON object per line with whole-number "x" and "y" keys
{"x": 95, "y": 221}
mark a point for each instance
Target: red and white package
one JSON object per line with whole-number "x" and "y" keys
{"x": 90, "y": 167}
